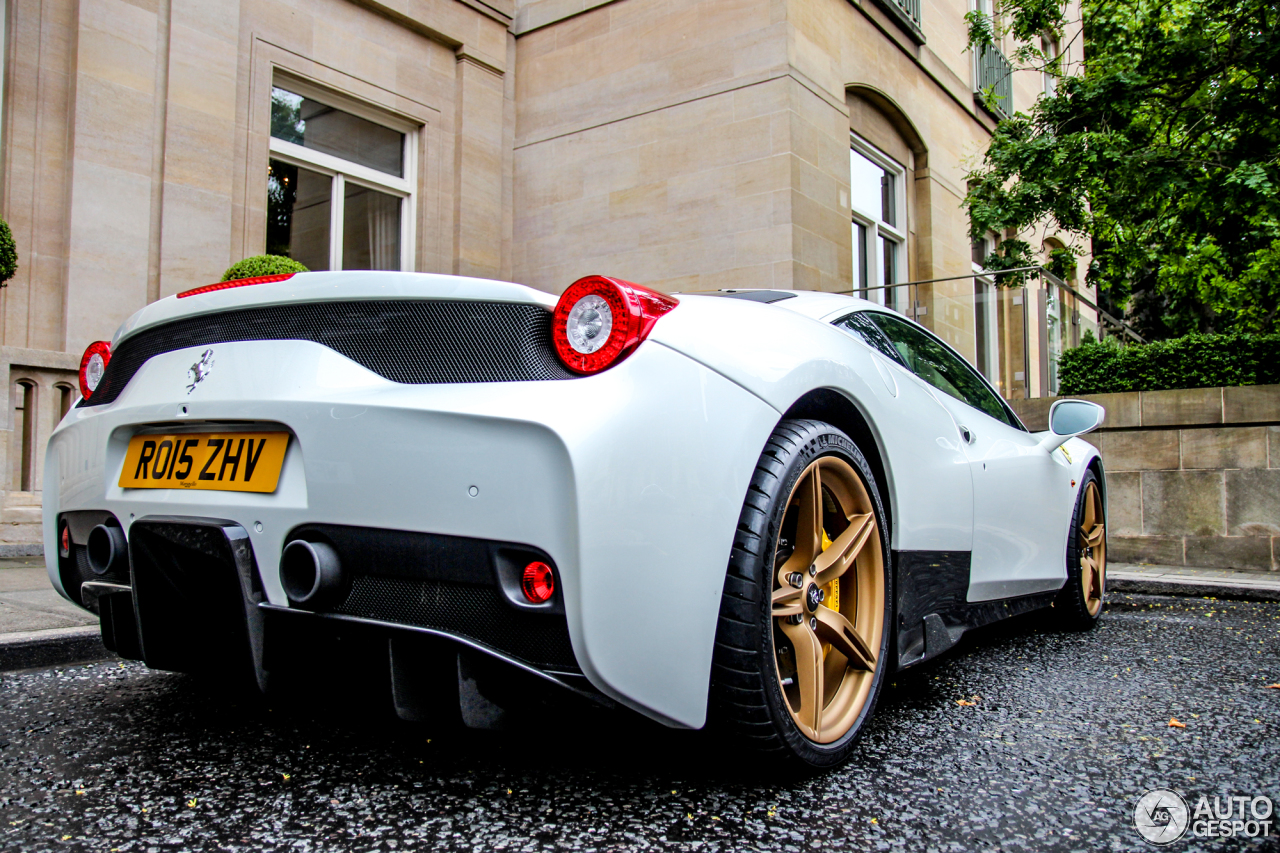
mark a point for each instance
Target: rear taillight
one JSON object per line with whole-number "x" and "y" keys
{"x": 92, "y": 365}
{"x": 235, "y": 282}
{"x": 599, "y": 321}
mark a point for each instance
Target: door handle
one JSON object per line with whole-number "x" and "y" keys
{"x": 966, "y": 434}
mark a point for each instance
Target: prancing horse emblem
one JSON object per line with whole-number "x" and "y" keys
{"x": 200, "y": 370}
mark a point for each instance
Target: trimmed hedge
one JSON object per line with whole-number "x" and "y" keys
{"x": 1194, "y": 361}
{"x": 262, "y": 265}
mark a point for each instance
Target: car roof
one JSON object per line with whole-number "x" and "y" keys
{"x": 816, "y": 304}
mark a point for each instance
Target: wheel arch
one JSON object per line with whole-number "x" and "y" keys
{"x": 835, "y": 408}
{"x": 1095, "y": 465}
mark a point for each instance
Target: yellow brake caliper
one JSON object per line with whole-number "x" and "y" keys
{"x": 832, "y": 589}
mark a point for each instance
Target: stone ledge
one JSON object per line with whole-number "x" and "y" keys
{"x": 21, "y": 549}
{"x": 1181, "y": 583}
{"x": 56, "y": 647}
{"x": 1249, "y": 404}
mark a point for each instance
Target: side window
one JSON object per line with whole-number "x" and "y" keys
{"x": 860, "y": 326}
{"x": 932, "y": 362}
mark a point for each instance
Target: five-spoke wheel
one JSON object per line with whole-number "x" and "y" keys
{"x": 803, "y": 641}
{"x": 1080, "y": 603}
{"x": 1093, "y": 549}
{"x": 828, "y": 599}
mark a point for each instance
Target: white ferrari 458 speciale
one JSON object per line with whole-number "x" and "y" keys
{"x": 741, "y": 509}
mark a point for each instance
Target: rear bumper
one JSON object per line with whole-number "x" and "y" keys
{"x": 631, "y": 481}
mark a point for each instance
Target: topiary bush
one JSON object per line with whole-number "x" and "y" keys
{"x": 262, "y": 265}
{"x": 1194, "y": 361}
{"x": 8, "y": 254}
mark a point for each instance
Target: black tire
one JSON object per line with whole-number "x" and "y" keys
{"x": 747, "y": 701}
{"x": 1072, "y": 605}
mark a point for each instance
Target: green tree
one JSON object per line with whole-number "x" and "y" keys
{"x": 1163, "y": 154}
{"x": 8, "y": 254}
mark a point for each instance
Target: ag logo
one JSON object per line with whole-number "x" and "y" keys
{"x": 1161, "y": 816}
{"x": 201, "y": 369}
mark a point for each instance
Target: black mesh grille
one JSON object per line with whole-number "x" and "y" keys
{"x": 475, "y": 612}
{"x": 416, "y": 342}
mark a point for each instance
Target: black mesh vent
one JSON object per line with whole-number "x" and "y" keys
{"x": 416, "y": 342}
{"x": 475, "y": 612}
{"x": 81, "y": 554}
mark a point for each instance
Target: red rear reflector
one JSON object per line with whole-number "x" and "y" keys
{"x": 538, "y": 583}
{"x": 236, "y": 282}
{"x": 93, "y": 365}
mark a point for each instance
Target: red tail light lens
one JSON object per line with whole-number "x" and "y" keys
{"x": 235, "y": 282}
{"x": 93, "y": 364}
{"x": 599, "y": 321}
{"x": 538, "y": 583}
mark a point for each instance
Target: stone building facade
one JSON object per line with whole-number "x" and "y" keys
{"x": 685, "y": 144}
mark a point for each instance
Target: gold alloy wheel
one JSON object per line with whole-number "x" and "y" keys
{"x": 1093, "y": 549}
{"x": 828, "y": 602}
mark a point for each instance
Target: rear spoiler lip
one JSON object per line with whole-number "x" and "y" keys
{"x": 333, "y": 286}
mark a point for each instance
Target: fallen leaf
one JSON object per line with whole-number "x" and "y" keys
{"x": 1174, "y": 724}
{"x": 875, "y": 820}
{"x": 965, "y": 702}
{"x": 191, "y": 803}
{"x": 1272, "y": 687}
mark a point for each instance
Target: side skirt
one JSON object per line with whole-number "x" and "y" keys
{"x": 932, "y": 613}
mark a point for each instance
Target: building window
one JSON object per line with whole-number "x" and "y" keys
{"x": 1051, "y": 69}
{"x": 339, "y": 183}
{"x": 24, "y": 425}
{"x": 66, "y": 395}
{"x": 878, "y": 203}
{"x": 986, "y": 353}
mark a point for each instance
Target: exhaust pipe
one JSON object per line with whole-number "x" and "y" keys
{"x": 108, "y": 550}
{"x": 310, "y": 573}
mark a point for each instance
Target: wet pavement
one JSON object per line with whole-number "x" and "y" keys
{"x": 1063, "y": 734}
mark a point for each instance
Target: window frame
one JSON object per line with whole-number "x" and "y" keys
{"x": 985, "y": 286}
{"x": 1052, "y": 59}
{"x": 341, "y": 171}
{"x": 876, "y": 229}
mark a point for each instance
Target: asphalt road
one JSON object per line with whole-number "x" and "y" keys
{"x": 1065, "y": 732}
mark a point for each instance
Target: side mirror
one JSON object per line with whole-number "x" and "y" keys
{"x": 1069, "y": 418}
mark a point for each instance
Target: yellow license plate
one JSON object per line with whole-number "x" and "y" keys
{"x": 223, "y": 461}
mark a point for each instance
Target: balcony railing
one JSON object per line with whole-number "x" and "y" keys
{"x": 907, "y": 15}
{"x": 910, "y": 8}
{"x": 993, "y": 80}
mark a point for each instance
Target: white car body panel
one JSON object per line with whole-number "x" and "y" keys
{"x": 1022, "y": 504}
{"x": 632, "y": 480}
{"x": 751, "y": 344}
